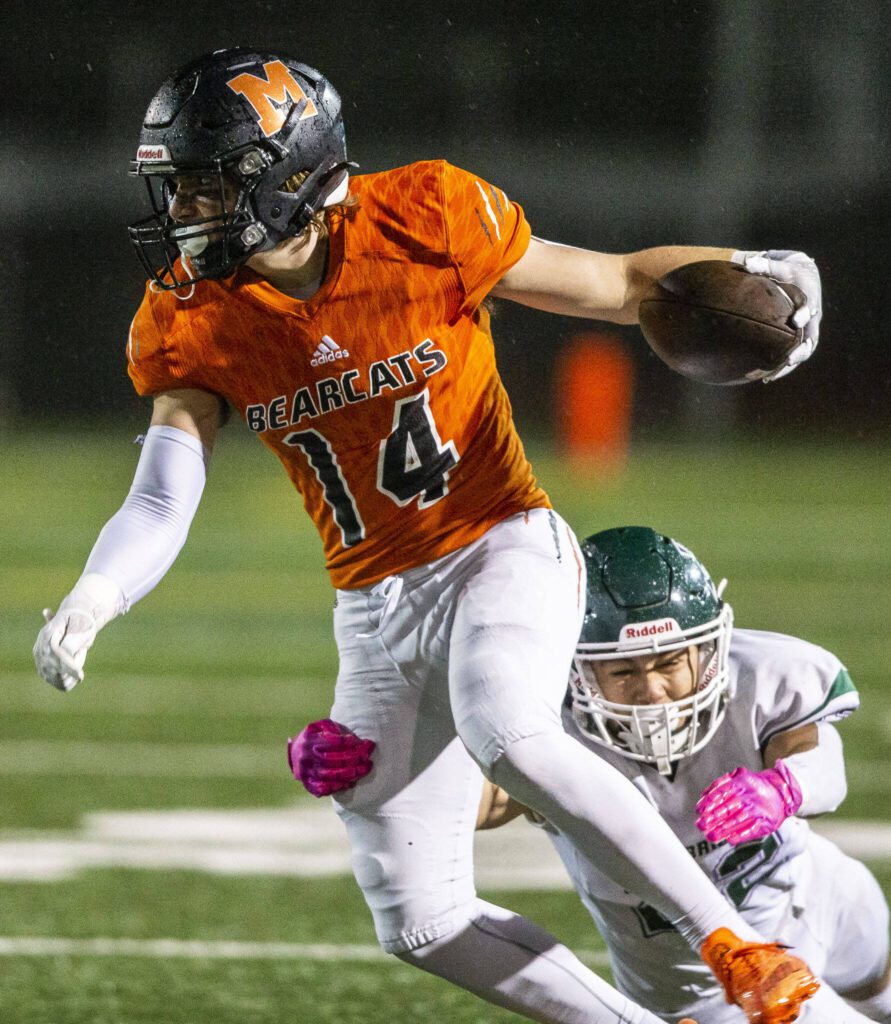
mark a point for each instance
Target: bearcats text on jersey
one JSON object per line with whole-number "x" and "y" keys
{"x": 350, "y": 387}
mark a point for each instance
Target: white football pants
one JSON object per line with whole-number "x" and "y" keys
{"x": 478, "y": 642}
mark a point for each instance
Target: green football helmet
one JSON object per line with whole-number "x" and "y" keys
{"x": 647, "y": 594}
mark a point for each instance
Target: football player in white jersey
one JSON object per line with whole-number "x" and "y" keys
{"x": 728, "y": 733}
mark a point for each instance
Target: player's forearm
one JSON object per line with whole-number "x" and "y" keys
{"x": 134, "y": 550}
{"x": 820, "y": 773}
{"x": 599, "y": 286}
{"x": 141, "y": 541}
{"x": 804, "y": 776}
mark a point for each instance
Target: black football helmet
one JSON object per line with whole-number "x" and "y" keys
{"x": 249, "y": 121}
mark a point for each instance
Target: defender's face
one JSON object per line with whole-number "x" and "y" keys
{"x": 649, "y": 679}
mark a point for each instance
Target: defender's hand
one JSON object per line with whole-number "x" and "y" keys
{"x": 743, "y": 805}
{"x": 789, "y": 267}
{"x": 327, "y": 758}
{"x": 62, "y": 645}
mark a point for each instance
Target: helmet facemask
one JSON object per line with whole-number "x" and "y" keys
{"x": 657, "y": 734}
{"x": 210, "y": 247}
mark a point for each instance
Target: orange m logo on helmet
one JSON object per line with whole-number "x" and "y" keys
{"x": 278, "y": 86}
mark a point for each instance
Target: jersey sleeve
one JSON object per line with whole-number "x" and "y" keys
{"x": 802, "y": 684}
{"x": 156, "y": 356}
{"x": 487, "y": 232}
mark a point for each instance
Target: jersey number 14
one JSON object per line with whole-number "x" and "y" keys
{"x": 413, "y": 463}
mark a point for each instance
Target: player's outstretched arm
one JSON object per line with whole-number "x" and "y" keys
{"x": 598, "y": 285}
{"x": 603, "y": 286}
{"x": 804, "y": 776}
{"x": 140, "y": 542}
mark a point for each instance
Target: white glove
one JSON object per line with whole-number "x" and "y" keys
{"x": 789, "y": 267}
{"x": 62, "y": 645}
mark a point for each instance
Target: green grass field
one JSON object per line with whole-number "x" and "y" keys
{"x": 188, "y": 701}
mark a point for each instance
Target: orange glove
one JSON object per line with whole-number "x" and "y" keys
{"x": 763, "y": 979}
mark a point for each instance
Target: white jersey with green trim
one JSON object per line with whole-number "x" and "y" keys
{"x": 777, "y": 683}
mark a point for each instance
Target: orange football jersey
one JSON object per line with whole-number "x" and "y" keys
{"x": 380, "y": 394}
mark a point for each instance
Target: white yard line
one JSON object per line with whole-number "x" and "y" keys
{"x": 191, "y": 949}
{"x": 305, "y": 840}
{"x": 866, "y": 840}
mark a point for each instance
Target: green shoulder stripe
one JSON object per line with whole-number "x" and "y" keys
{"x": 841, "y": 686}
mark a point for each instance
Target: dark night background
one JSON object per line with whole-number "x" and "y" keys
{"x": 617, "y": 125}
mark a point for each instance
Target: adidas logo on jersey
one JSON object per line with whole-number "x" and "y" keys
{"x": 328, "y": 350}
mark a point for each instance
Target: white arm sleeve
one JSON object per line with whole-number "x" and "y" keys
{"x": 141, "y": 541}
{"x": 820, "y": 773}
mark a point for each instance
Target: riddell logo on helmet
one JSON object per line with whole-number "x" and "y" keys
{"x": 646, "y": 630}
{"x": 160, "y": 153}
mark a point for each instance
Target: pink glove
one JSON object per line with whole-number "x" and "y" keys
{"x": 326, "y": 757}
{"x": 743, "y": 805}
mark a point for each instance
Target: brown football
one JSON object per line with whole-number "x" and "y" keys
{"x": 718, "y": 324}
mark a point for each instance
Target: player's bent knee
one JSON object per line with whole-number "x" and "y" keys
{"x": 419, "y": 956}
{"x": 531, "y": 756}
{"x": 416, "y": 943}
{"x": 490, "y": 742}
{"x": 442, "y": 954}
{"x": 412, "y": 905}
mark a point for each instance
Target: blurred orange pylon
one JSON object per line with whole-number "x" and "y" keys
{"x": 594, "y": 383}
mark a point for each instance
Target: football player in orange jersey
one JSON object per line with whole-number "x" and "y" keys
{"x": 342, "y": 317}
